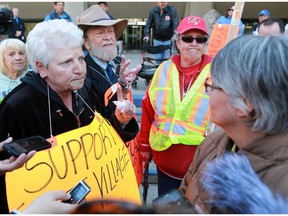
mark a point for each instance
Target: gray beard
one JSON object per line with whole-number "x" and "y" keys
{"x": 104, "y": 54}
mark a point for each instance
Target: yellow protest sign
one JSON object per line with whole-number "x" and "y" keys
{"x": 95, "y": 153}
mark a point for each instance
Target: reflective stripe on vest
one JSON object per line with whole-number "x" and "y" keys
{"x": 177, "y": 121}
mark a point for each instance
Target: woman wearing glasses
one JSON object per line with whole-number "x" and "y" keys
{"x": 175, "y": 109}
{"x": 249, "y": 101}
{"x": 226, "y": 19}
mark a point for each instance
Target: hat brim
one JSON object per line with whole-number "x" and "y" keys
{"x": 119, "y": 25}
{"x": 194, "y": 28}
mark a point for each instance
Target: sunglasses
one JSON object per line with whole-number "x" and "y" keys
{"x": 190, "y": 39}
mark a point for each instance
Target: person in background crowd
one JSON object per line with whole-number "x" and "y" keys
{"x": 234, "y": 188}
{"x": 18, "y": 26}
{"x": 263, "y": 14}
{"x": 249, "y": 103}
{"x": 58, "y": 13}
{"x": 13, "y": 65}
{"x": 271, "y": 26}
{"x": 56, "y": 97}
{"x": 163, "y": 19}
{"x": 105, "y": 7}
{"x": 175, "y": 109}
{"x": 226, "y": 19}
{"x": 100, "y": 35}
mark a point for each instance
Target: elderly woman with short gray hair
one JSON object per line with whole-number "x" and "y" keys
{"x": 249, "y": 101}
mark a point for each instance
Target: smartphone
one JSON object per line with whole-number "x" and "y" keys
{"x": 78, "y": 193}
{"x": 17, "y": 147}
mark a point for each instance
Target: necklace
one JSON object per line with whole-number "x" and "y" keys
{"x": 185, "y": 90}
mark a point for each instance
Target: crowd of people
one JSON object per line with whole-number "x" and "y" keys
{"x": 208, "y": 123}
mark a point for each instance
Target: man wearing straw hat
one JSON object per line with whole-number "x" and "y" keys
{"x": 105, "y": 69}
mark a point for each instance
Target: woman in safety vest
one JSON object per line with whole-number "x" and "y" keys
{"x": 175, "y": 108}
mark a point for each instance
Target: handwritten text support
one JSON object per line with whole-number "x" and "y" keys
{"x": 95, "y": 153}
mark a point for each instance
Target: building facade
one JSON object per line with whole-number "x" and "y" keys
{"x": 137, "y": 12}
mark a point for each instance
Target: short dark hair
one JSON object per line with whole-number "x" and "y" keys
{"x": 271, "y": 20}
{"x": 105, "y": 3}
{"x": 55, "y": 3}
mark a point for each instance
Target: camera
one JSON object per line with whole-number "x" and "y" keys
{"x": 6, "y": 16}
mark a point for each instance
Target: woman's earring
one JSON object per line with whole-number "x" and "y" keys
{"x": 44, "y": 76}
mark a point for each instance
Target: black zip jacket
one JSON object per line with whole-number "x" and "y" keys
{"x": 164, "y": 25}
{"x": 100, "y": 83}
{"x": 24, "y": 112}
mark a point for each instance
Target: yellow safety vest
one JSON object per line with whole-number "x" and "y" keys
{"x": 177, "y": 121}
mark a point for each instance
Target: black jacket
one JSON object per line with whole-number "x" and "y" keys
{"x": 24, "y": 113}
{"x": 100, "y": 83}
{"x": 164, "y": 25}
{"x": 20, "y": 26}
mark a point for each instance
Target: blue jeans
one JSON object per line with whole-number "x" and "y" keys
{"x": 166, "y": 183}
{"x": 165, "y": 54}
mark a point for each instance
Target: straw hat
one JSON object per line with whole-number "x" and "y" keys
{"x": 96, "y": 16}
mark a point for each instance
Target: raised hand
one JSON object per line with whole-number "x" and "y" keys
{"x": 48, "y": 203}
{"x": 126, "y": 75}
{"x": 13, "y": 163}
{"x": 125, "y": 110}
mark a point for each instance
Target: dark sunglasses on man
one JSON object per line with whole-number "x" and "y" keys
{"x": 190, "y": 39}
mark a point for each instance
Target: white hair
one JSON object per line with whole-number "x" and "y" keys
{"x": 46, "y": 36}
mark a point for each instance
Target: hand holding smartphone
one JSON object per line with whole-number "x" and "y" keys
{"x": 17, "y": 147}
{"x": 78, "y": 193}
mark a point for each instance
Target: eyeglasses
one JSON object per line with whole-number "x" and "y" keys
{"x": 209, "y": 86}
{"x": 190, "y": 39}
{"x": 230, "y": 9}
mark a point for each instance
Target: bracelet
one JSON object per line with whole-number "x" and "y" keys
{"x": 15, "y": 211}
{"x": 126, "y": 87}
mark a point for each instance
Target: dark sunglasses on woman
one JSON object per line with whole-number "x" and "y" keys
{"x": 190, "y": 39}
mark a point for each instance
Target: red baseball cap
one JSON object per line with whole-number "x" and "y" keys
{"x": 192, "y": 22}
